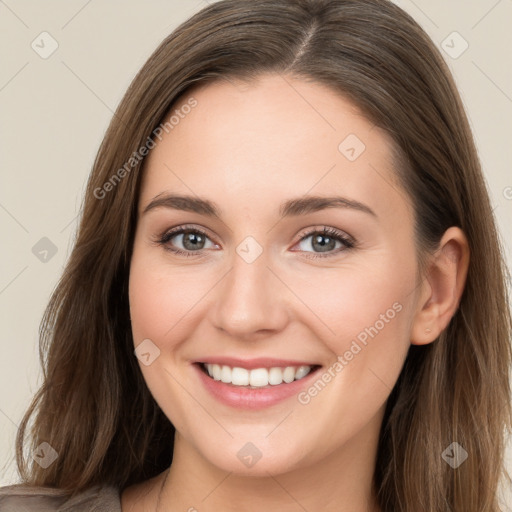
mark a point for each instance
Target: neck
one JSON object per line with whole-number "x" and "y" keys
{"x": 341, "y": 481}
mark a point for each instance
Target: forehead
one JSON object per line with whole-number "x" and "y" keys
{"x": 271, "y": 139}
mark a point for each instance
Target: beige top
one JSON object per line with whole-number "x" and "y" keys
{"x": 23, "y": 498}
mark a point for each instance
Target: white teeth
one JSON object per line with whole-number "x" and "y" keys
{"x": 275, "y": 376}
{"x": 240, "y": 377}
{"x": 302, "y": 371}
{"x": 225, "y": 374}
{"x": 215, "y": 368}
{"x": 289, "y": 374}
{"x": 258, "y": 377}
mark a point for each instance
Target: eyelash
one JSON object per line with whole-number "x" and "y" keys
{"x": 348, "y": 241}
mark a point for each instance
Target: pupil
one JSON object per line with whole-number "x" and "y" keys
{"x": 193, "y": 238}
{"x": 326, "y": 245}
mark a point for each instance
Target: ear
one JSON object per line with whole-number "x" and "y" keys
{"x": 441, "y": 288}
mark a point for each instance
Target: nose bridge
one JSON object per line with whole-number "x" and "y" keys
{"x": 250, "y": 298}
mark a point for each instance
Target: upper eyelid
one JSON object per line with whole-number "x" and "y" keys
{"x": 304, "y": 233}
{"x": 337, "y": 232}
{"x": 178, "y": 230}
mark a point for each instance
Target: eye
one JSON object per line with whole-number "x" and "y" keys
{"x": 325, "y": 241}
{"x": 193, "y": 240}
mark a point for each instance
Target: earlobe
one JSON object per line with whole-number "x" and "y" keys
{"x": 442, "y": 287}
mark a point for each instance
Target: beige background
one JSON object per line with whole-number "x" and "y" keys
{"x": 55, "y": 112}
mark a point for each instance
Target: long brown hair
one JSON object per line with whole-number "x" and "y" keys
{"x": 94, "y": 407}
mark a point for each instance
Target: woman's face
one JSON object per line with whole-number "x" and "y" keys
{"x": 259, "y": 285}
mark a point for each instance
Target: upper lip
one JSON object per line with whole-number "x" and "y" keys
{"x": 259, "y": 362}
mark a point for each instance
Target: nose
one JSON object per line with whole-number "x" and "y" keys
{"x": 250, "y": 300}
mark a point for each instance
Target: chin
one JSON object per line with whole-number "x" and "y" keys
{"x": 246, "y": 458}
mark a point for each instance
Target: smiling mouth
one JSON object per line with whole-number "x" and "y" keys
{"x": 256, "y": 378}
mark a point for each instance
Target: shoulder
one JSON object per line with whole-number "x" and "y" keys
{"x": 24, "y": 498}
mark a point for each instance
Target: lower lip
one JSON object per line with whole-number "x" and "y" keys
{"x": 247, "y": 398}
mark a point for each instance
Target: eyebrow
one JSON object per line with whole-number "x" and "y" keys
{"x": 290, "y": 208}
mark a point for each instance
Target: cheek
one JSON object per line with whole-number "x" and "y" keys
{"x": 161, "y": 302}
{"x": 363, "y": 315}
{"x": 161, "y": 298}
{"x": 364, "y": 321}
{"x": 150, "y": 306}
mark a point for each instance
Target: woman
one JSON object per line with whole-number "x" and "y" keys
{"x": 287, "y": 290}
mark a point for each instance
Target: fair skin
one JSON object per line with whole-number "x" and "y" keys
{"x": 248, "y": 148}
